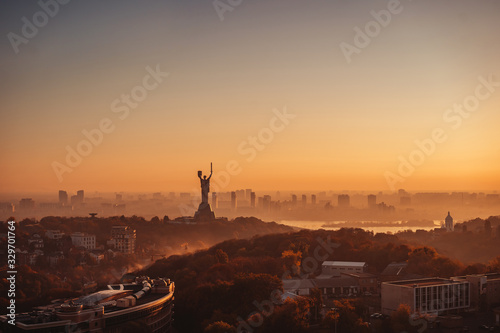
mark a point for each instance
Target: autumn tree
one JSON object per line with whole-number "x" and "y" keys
{"x": 316, "y": 302}
{"x": 219, "y": 327}
{"x": 291, "y": 261}
{"x": 221, "y": 256}
{"x": 403, "y": 321}
{"x": 292, "y": 316}
{"x": 344, "y": 315}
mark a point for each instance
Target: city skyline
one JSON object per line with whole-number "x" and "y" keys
{"x": 282, "y": 96}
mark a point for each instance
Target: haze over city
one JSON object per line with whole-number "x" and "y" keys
{"x": 213, "y": 81}
{"x": 237, "y": 166}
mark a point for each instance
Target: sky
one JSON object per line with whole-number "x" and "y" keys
{"x": 278, "y": 95}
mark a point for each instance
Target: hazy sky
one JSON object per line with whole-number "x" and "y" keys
{"x": 227, "y": 79}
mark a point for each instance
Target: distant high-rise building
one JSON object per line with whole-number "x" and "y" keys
{"x": 240, "y": 194}
{"x": 252, "y": 199}
{"x": 372, "y": 200}
{"x": 294, "y": 200}
{"x": 118, "y": 197}
{"x": 344, "y": 200}
{"x": 214, "y": 200}
{"x": 6, "y": 207}
{"x": 185, "y": 196}
{"x": 248, "y": 194}
{"x": 78, "y": 198}
{"x": 402, "y": 192}
{"x": 448, "y": 222}
{"x": 260, "y": 203}
{"x": 304, "y": 200}
{"x": 313, "y": 199}
{"x": 63, "y": 197}
{"x": 266, "y": 203}
{"x": 233, "y": 200}
{"x": 405, "y": 201}
{"x": 26, "y": 203}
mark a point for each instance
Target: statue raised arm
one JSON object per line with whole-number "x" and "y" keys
{"x": 210, "y": 171}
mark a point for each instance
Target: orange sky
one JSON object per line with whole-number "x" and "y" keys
{"x": 349, "y": 122}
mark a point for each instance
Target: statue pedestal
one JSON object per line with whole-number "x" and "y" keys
{"x": 204, "y": 213}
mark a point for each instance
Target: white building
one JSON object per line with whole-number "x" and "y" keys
{"x": 428, "y": 295}
{"x": 335, "y": 268}
{"x": 79, "y": 239}
{"x": 54, "y": 234}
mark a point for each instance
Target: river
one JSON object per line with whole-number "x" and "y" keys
{"x": 313, "y": 225}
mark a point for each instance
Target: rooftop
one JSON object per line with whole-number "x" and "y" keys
{"x": 395, "y": 268}
{"x": 489, "y": 276}
{"x": 361, "y": 275}
{"x": 422, "y": 282}
{"x": 102, "y": 296}
{"x": 144, "y": 291}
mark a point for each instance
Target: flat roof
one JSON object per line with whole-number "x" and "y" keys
{"x": 423, "y": 282}
{"x": 493, "y": 276}
{"x": 361, "y": 275}
{"x": 50, "y": 313}
{"x": 344, "y": 263}
{"x": 489, "y": 276}
{"x": 395, "y": 268}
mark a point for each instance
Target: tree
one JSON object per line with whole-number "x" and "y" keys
{"x": 487, "y": 227}
{"x": 292, "y": 316}
{"x": 316, "y": 302}
{"x": 221, "y": 256}
{"x": 331, "y": 319}
{"x": 494, "y": 265}
{"x": 291, "y": 260}
{"x": 219, "y": 327}
{"x": 420, "y": 260}
{"x": 403, "y": 322}
{"x": 345, "y": 317}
